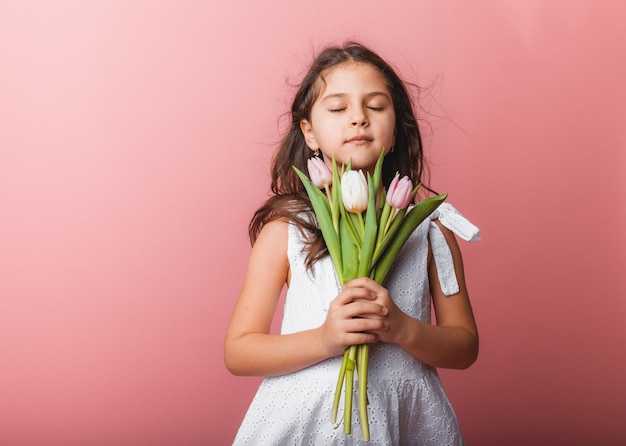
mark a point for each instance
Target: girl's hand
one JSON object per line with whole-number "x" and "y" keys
{"x": 393, "y": 319}
{"x": 450, "y": 343}
{"x": 355, "y": 316}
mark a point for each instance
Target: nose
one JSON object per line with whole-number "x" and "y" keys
{"x": 358, "y": 119}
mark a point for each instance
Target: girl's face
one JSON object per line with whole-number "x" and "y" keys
{"x": 353, "y": 117}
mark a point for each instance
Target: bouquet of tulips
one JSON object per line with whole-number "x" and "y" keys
{"x": 364, "y": 227}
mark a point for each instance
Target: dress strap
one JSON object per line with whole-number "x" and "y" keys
{"x": 452, "y": 219}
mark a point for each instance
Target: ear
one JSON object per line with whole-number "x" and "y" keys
{"x": 309, "y": 137}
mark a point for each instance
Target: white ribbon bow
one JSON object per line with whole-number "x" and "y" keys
{"x": 452, "y": 219}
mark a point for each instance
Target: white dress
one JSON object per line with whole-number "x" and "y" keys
{"x": 407, "y": 403}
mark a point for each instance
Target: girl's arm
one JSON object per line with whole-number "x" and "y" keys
{"x": 453, "y": 342}
{"x": 249, "y": 348}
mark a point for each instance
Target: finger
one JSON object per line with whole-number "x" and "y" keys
{"x": 349, "y": 295}
{"x": 361, "y": 282}
{"x": 370, "y": 326}
{"x": 365, "y": 309}
{"x": 366, "y": 283}
{"x": 361, "y": 338}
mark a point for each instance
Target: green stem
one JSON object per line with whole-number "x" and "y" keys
{"x": 342, "y": 374}
{"x": 362, "y": 223}
{"x": 386, "y": 238}
{"x": 390, "y": 220}
{"x": 384, "y": 217}
{"x": 363, "y": 355}
{"x": 347, "y": 410}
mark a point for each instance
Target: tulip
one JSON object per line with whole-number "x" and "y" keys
{"x": 354, "y": 191}
{"x": 400, "y": 192}
{"x": 319, "y": 173}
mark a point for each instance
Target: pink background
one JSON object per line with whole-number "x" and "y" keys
{"x": 135, "y": 140}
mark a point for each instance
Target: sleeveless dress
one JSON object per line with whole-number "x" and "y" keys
{"x": 407, "y": 403}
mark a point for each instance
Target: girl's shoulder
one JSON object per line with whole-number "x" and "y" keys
{"x": 274, "y": 231}
{"x": 269, "y": 252}
{"x": 272, "y": 240}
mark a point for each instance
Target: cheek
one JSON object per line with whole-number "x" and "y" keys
{"x": 327, "y": 133}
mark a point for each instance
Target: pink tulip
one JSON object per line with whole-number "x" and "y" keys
{"x": 319, "y": 172}
{"x": 354, "y": 191}
{"x": 400, "y": 192}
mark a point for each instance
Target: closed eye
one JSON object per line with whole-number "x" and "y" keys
{"x": 336, "y": 110}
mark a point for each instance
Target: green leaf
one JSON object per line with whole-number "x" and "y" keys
{"x": 349, "y": 253}
{"x": 335, "y": 194}
{"x": 378, "y": 170}
{"x": 321, "y": 207}
{"x": 371, "y": 227}
{"x": 351, "y": 221}
{"x": 412, "y": 219}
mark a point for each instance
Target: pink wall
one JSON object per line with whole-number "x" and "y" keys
{"x": 134, "y": 145}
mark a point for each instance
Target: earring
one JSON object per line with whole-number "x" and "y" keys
{"x": 316, "y": 152}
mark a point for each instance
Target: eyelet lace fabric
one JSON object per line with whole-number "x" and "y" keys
{"x": 407, "y": 403}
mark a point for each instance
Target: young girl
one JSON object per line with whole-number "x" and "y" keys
{"x": 350, "y": 105}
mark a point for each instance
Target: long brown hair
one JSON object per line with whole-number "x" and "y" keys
{"x": 289, "y": 200}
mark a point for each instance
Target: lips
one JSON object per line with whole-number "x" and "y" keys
{"x": 360, "y": 139}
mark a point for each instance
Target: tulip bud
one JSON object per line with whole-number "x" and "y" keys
{"x": 319, "y": 172}
{"x": 354, "y": 191}
{"x": 400, "y": 192}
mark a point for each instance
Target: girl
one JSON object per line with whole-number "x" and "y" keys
{"x": 350, "y": 104}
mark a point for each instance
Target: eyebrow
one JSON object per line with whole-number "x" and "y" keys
{"x": 368, "y": 95}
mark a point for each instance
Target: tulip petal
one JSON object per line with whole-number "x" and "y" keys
{"x": 354, "y": 191}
